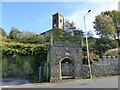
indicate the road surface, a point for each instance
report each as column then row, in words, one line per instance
column 103, row 82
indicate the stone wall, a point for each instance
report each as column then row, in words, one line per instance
column 107, row 66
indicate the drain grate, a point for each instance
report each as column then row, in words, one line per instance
column 84, row 84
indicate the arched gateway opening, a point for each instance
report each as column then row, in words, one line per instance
column 67, row 68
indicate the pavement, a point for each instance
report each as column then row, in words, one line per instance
column 13, row 81
column 101, row 82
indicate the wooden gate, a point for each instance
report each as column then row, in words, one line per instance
column 67, row 68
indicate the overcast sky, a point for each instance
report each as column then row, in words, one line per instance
column 37, row 16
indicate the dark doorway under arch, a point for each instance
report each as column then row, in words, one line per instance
column 67, row 68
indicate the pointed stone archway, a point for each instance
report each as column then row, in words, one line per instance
column 67, row 67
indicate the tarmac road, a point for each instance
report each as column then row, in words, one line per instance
column 103, row 82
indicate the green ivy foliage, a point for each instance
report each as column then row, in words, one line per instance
column 16, row 48
column 28, row 58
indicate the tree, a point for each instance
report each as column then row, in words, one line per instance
column 3, row 32
column 69, row 25
column 76, row 36
column 91, row 43
column 104, row 26
column 14, row 33
column 115, row 15
column 78, row 32
column 108, row 21
column 69, row 33
column 104, row 44
column 62, row 35
column 71, row 28
column 59, row 34
column 29, row 37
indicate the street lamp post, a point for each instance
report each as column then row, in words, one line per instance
column 87, row 46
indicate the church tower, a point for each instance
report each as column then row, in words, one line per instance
column 57, row 21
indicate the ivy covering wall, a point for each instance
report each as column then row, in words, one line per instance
column 22, row 59
column 16, row 48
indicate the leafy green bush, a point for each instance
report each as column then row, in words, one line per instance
column 104, row 44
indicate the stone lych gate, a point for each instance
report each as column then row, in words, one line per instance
column 66, row 60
